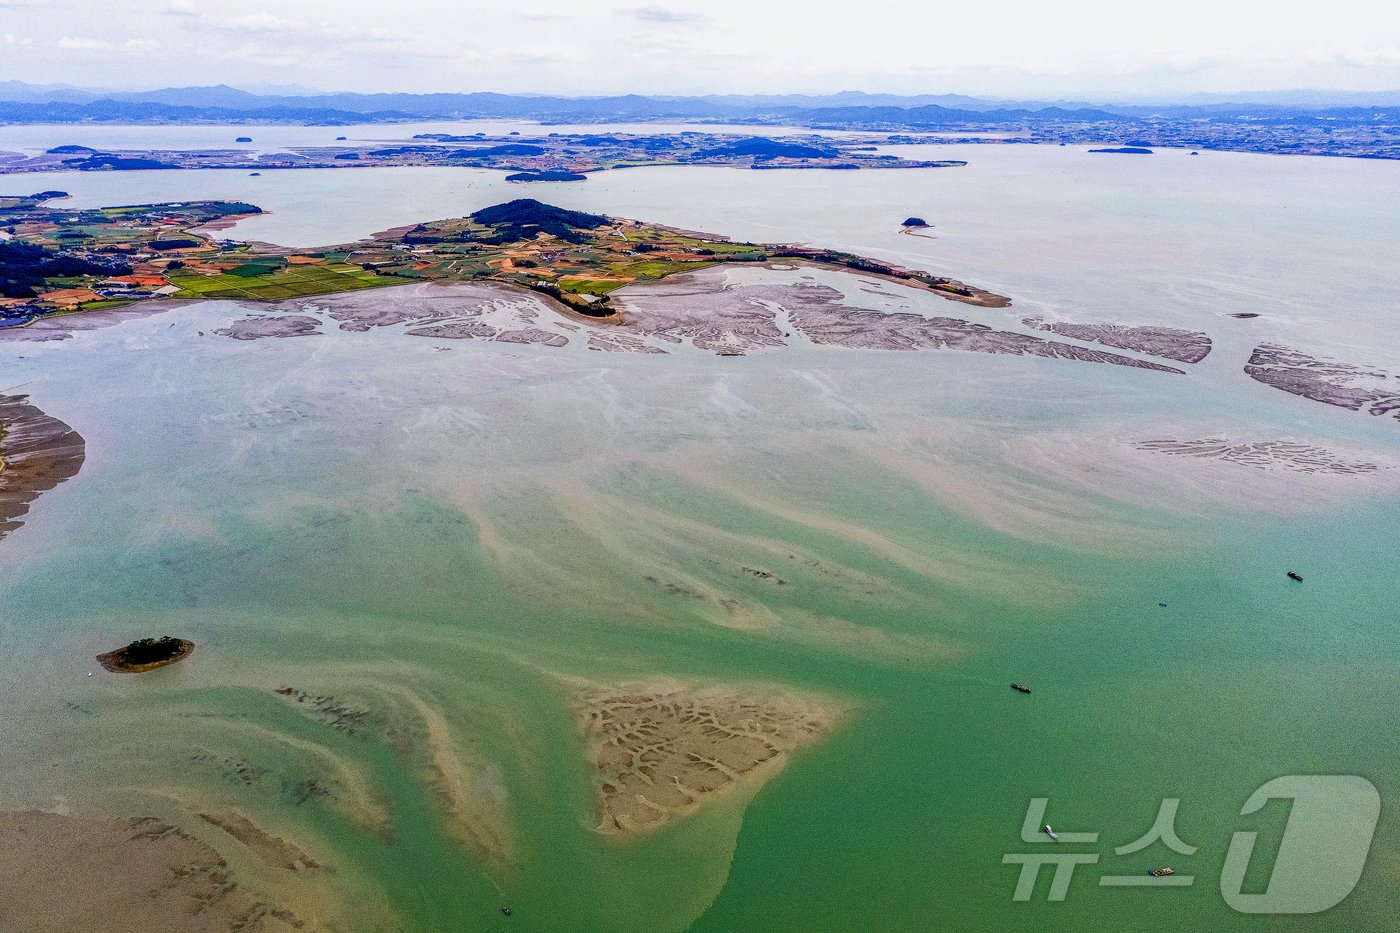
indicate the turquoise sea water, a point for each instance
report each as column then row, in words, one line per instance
column 447, row 540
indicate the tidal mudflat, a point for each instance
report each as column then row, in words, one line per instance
column 137, row 875
column 37, row 452
column 728, row 311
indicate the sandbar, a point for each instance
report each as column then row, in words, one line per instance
column 1185, row 346
column 1331, row 382
column 37, row 452
column 257, row 328
column 660, row 751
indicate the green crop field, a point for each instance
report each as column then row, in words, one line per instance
column 656, row 268
column 586, row 287
column 274, row 284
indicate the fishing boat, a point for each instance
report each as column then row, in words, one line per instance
column 1294, row 576
column 1021, row 688
column 1056, row 836
column 1162, row 872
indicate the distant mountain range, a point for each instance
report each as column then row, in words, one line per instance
column 30, row 103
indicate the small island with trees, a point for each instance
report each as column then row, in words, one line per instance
column 146, row 654
column 547, row 175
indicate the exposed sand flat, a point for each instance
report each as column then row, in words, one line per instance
column 1301, row 458
column 705, row 311
column 257, row 328
column 735, row 319
column 64, row 874
column 659, row 751
column 698, row 308
column 1332, row 382
column 473, row 805
column 620, row 343
column 825, row 320
column 490, row 306
column 1186, row 346
column 455, row 330
column 349, row 791
column 37, row 453
column 1118, row 467
column 474, row 808
column 274, row 851
column 533, row 335
column 401, row 304
column 445, row 311
column 336, row 713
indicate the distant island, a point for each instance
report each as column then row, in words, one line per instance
column 556, row 157
column 914, row 222
column 146, row 654
column 1363, row 128
column 547, row 175
column 1126, row 150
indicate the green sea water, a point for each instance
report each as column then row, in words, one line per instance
column 443, row 541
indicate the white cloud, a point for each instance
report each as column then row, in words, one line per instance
column 69, row 42
column 659, row 14
column 82, row 44
column 1090, row 48
column 11, row 39
column 259, row 22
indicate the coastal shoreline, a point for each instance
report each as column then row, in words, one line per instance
column 37, row 453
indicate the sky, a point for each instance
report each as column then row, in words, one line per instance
column 1084, row 49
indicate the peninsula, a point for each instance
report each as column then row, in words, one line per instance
column 595, row 278
column 58, row 261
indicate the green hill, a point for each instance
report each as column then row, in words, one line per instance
column 524, row 218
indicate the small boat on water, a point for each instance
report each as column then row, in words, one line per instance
column 1021, row 688
column 1056, row 836
column 1294, row 576
column 1162, row 872
column 506, row 911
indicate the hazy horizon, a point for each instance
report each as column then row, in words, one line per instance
column 1090, row 50
column 1312, row 96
